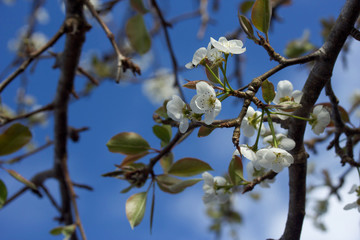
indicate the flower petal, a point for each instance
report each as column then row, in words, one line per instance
column 184, row 125
column 199, row 55
column 285, row 88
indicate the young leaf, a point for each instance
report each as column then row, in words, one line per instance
column 268, row 91
column 152, row 208
column 138, row 5
column 187, row 167
column 205, row 131
column 128, row 143
column 3, row 193
column 21, row 179
column 261, row 15
column 113, row 173
column 174, row 185
column 14, row 138
column 246, row 26
column 236, row 170
column 132, row 158
column 210, row 76
column 162, row 132
column 137, row 34
column 166, row 162
column 161, row 111
column 67, row 231
column 246, row 6
column 135, row 208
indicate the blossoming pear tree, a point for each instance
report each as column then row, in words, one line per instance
column 268, row 125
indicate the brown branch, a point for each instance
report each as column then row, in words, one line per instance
column 318, row 77
column 123, row 62
column 19, row 158
column 48, row 107
column 165, row 26
column 88, row 75
column 355, row 34
column 32, row 56
column 256, row 181
column 76, row 22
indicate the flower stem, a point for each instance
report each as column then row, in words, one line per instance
column 255, row 147
column 271, row 127
column 289, row 115
column 223, row 70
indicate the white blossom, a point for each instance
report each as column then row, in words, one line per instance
column 199, row 55
column 251, row 122
column 205, row 101
column 227, row 47
column 161, row 87
column 286, row 96
column 214, row 194
column 209, row 53
column 282, row 140
column 355, row 204
column 320, row 119
column 247, row 152
column 177, row 110
column 274, row 158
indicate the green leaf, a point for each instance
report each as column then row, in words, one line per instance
column 132, row 158
column 137, row 34
column 138, row 5
column 67, row 231
column 268, row 91
column 211, row 77
column 246, row 26
column 236, row 170
column 3, row 193
column 246, row 6
column 166, row 162
column 152, row 208
column 161, row 111
column 21, row 179
column 174, row 185
column 127, row 189
column 261, row 15
column 128, row 143
column 113, row 173
column 135, row 208
column 205, row 131
column 163, row 132
column 14, row 138
column 187, row 167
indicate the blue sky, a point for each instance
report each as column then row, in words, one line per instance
column 114, row 108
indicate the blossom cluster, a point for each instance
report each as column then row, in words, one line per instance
column 204, row 102
column 274, row 155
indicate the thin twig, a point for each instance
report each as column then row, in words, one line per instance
column 165, row 26
column 48, row 107
column 19, row 158
column 88, row 75
column 123, row 62
column 32, row 56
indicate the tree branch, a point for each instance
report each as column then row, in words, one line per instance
column 319, row 75
column 123, row 62
column 76, row 22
